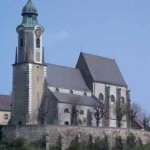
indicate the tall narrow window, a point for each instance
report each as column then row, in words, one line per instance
column 6, row 116
column 101, row 97
column 112, row 98
column 21, row 42
column 38, row 43
column 123, row 100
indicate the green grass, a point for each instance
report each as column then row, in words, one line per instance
column 146, row 147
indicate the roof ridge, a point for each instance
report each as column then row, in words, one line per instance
column 61, row 66
column 95, row 63
column 98, row 56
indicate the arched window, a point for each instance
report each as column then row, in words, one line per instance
column 57, row 90
column 38, row 43
column 112, row 98
column 101, row 97
column 71, row 92
column 66, row 110
column 21, row 42
column 81, row 112
column 66, row 123
column 123, row 100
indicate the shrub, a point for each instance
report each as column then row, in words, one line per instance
column 74, row 145
column 118, row 142
column 39, row 144
column 139, row 143
column 131, row 140
column 101, row 144
column 19, row 142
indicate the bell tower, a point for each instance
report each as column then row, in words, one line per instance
column 29, row 69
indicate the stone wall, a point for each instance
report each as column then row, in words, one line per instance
column 68, row 133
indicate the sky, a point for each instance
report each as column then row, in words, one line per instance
column 117, row 29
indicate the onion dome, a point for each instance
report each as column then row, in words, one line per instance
column 29, row 8
column 29, row 13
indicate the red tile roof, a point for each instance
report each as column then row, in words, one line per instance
column 5, row 102
column 136, row 119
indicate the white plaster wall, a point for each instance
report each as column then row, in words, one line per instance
column 62, row 116
column 100, row 88
column 67, row 91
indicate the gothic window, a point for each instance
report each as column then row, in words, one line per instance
column 38, row 43
column 71, row 92
column 123, row 100
column 81, row 112
column 66, row 110
column 112, row 98
column 21, row 42
column 101, row 97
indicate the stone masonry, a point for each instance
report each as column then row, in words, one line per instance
column 66, row 134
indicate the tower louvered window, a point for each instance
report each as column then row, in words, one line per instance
column 21, row 42
column 38, row 43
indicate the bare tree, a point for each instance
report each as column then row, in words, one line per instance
column 145, row 119
column 99, row 112
column 74, row 108
column 135, row 110
column 120, row 111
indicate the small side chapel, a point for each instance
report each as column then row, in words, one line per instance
column 45, row 93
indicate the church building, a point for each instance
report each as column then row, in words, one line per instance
column 45, row 93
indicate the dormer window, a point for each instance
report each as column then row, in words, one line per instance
column 71, row 92
column 21, row 42
column 85, row 94
column 57, row 90
column 38, row 43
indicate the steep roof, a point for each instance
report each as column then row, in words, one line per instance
column 104, row 70
column 72, row 98
column 5, row 102
column 65, row 77
column 138, row 122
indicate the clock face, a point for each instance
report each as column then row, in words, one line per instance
column 38, row 32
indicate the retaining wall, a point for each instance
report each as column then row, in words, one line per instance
column 52, row 134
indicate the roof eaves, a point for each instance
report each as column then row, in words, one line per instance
column 110, row 83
